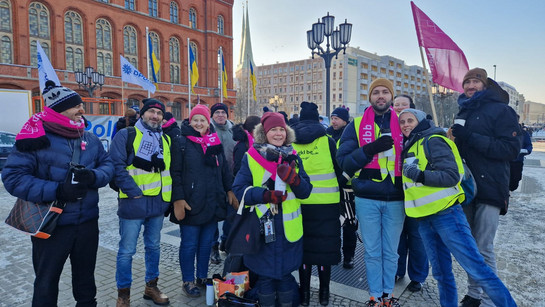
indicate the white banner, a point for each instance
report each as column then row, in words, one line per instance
column 132, row 75
column 45, row 70
column 103, row 127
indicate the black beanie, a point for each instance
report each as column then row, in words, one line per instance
column 152, row 103
column 341, row 113
column 219, row 106
column 168, row 116
column 60, row 98
column 309, row 111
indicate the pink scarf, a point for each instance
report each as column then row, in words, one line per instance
column 169, row 123
column 250, row 139
column 34, row 127
column 367, row 135
column 270, row 166
column 206, row 141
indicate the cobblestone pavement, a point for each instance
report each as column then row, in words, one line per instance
column 519, row 246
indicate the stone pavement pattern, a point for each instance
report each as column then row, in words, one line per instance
column 520, row 264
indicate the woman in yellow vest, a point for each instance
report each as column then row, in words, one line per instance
column 277, row 204
column 432, row 172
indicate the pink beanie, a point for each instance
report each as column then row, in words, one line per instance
column 200, row 109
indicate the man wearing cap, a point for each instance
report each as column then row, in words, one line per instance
column 370, row 148
column 486, row 133
column 145, row 190
column 39, row 170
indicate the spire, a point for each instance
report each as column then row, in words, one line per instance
column 246, row 43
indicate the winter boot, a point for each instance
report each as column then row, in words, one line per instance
column 324, row 273
column 123, row 297
column 153, row 293
column 305, row 272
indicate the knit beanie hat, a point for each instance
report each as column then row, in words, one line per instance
column 270, row 120
column 219, row 106
column 200, row 109
column 309, row 111
column 342, row 113
column 60, row 98
column 136, row 108
column 420, row 116
column 152, row 103
column 168, row 116
column 381, row 82
column 476, row 73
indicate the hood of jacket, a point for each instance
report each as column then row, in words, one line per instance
column 239, row 134
column 306, row 131
column 261, row 138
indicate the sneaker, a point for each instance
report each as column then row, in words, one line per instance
column 348, row 263
column 191, row 289
column 469, row 301
column 390, row 302
column 373, row 302
column 215, row 257
column 414, row 286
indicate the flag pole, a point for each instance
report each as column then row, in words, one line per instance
column 221, row 74
column 435, row 119
column 188, row 79
column 147, row 56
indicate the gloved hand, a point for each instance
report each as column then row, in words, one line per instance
column 460, row 132
column 411, row 171
column 381, row 144
column 288, row 174
column 274, row 197
column 68, row 192
column 84, row 176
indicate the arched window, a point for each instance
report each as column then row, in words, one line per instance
column 152, row 6
column 129, row 5
column 192, row 18
column 176, row 110
column 129, row 45
column 104, row 46
column 220, row 25
column 6, row 33
column 73, row 37
column 174, row 58
column 156, row 49
column 38, row 20
column 173, row 12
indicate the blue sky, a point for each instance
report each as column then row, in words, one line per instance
column 508, row 34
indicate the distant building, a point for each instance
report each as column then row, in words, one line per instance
column 533, row 113
column 516, row 100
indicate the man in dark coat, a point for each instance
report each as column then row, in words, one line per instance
column 487, row 140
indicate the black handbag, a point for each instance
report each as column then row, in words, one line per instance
column 245, row 233
column 230, row 300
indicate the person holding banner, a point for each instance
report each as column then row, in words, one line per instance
column 37, row 170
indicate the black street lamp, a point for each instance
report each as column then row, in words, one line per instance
column 340, row 37
column 89, row 80
column 276, row 102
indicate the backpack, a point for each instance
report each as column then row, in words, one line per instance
column 468, row 183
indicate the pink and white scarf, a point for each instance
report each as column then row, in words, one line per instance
column 210, row 139
column 34, row 127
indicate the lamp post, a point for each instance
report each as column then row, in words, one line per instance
column 494, row 72
column 275, row 102
column 340, row 37
column 89, row 80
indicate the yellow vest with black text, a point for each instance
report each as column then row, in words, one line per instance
column 318, row 165
column 152, row 183
column 386, row 164
column 422, row 200
column 291, row 207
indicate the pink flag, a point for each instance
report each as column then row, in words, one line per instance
column 447, row 61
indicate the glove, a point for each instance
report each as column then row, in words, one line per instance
column 274, row 197
column 68, row 192
column 288, row 174
column 84, row 176
column 460, row 132
column 381, row 144
column 411, row 171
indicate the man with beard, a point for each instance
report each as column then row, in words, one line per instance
column 370, row 148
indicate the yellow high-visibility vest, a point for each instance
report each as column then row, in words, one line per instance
column 291, row 207
column 152, row 183
column 316, row 158
column 422, row 200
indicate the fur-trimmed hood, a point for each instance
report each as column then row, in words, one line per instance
column 260, row 136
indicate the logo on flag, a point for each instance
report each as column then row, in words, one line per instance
column 132, row 75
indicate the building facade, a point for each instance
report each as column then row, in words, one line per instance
column 94, row 33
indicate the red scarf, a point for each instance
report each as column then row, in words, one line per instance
column 210, row 139
column 367, row 135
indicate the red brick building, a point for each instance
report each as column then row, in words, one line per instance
column 76, row 34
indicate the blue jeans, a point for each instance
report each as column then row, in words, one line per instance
column 448, row 232
column 196, row 240
column 130, row 231
column 411, row 243
column 380, row 225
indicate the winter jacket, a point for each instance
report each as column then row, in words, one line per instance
column 526, row 143
column 492, row 144
column 241, row 147
column 205, row 179
column 173, row 130
column 36, row 175
column 280, row 257
column 131, row 207
column 335, row 134
column 226, row 136
column 322, row 229
column 351, row 159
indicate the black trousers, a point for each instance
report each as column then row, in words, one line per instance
column 80, row 243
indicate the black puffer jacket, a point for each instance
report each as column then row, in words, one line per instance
column 239, row 136
column 492, row 144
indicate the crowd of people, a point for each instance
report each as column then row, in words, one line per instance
column 389, row 173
